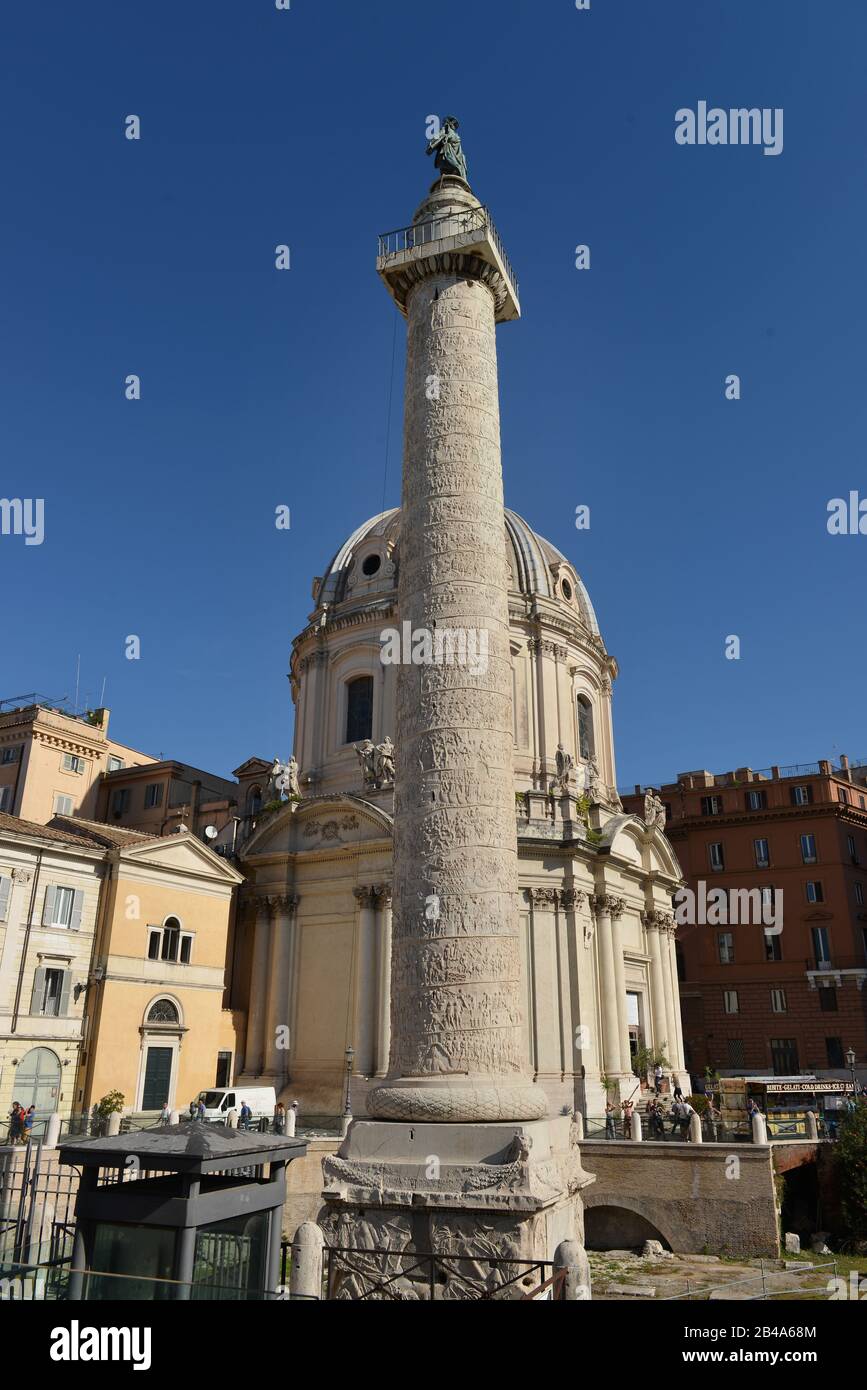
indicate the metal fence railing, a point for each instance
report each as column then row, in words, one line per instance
column 765, row 1284
column 713, row 1131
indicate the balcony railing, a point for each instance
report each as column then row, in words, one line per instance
column 453, row 224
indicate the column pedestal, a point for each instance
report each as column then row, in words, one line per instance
column 470, row 1194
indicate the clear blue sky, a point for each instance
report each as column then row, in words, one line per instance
column 259, row 387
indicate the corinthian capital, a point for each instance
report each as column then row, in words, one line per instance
column 364, row 895
column 542, row 897
column 571, row 898
column 606, row 904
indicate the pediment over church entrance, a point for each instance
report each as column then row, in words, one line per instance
column 319, row 824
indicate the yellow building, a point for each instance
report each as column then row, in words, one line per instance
column 51, row 762
column 156, row 1028
column 114, row 957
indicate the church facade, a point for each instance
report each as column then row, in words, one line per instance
column 313, row 959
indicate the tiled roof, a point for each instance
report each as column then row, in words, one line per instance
column 17, row 826
column 112, row 835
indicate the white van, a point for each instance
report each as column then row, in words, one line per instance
column 261, row 1100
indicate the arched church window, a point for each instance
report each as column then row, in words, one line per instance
column 254, row 801
column 359, row 709
column 586, row 741
column 163, row 1011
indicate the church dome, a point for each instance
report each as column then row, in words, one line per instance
column 366, row 564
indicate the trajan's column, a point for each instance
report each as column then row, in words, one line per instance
column 460, row 1132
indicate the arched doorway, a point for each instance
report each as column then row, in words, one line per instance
column 37, row 1081
column 618, row 1228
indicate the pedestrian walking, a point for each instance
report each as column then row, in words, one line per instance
column 200, row 1110
column 280, row 1118
column 27, row 1124
column 610, row 1132
column 245, row 1116
column 291, row 1119
column 657, row 1078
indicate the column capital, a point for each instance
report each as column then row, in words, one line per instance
column 281, row 902
column 655, row 920
column 381, row 895
column 542, row 897
column 364, row 895
column 607, row 905
column 571, row 898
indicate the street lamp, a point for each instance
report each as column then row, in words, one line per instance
column 850, row 1063
column 347, row 1109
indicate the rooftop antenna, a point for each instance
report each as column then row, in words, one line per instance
column 102, row 695
column 77, row 675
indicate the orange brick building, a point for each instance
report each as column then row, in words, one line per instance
column 787, row 1001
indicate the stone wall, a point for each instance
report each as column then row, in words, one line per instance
column 701, row 1198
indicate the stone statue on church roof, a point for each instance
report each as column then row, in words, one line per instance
column 448, row 152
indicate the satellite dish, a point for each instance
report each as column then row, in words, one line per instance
column 211, row 832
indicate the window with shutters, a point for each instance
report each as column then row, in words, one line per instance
column 730, row 1001
column 778, row 1001
column 120, row 801
column 725, row 945
column 62, row 804
column 801, row 796
column 717, row 856
column 711, row 805
column 153, row 795
column 51, row 988
column 808, row 849
column 755, row 800
column 815, row 892
column 72, row 763
column 762, row 853
column 5, row 895
column 62, row 907
column 5, row 798
column 11, row 755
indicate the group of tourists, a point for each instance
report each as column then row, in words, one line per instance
column 20, row 1123
column 679, row 1113
column 283, row 1123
